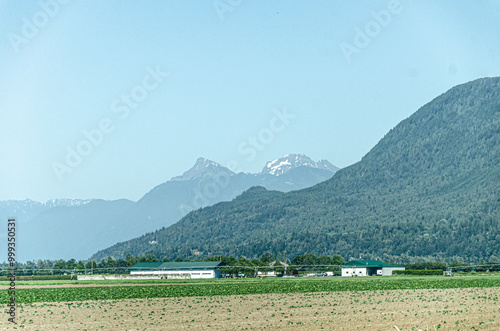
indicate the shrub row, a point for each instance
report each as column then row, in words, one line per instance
column 419, row 272
column 39, row 277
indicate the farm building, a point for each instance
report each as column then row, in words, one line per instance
column 176, row 269
column 369, row 268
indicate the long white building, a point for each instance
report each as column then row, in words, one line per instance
column 191, row 270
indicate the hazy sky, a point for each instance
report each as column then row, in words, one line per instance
column 107, row 99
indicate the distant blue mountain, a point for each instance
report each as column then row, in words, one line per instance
column 67, row 228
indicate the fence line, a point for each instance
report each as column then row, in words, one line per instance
column 303, row 267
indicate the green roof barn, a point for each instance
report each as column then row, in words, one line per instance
column 369, row 268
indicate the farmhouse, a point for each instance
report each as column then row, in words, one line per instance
column 176, row 269
column 369, row 268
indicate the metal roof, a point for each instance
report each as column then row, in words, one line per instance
column 146, row 265
column 209, row 265
column 369, row 264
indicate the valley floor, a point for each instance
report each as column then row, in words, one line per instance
column 425, row 309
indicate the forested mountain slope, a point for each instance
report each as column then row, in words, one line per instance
column 429, row 189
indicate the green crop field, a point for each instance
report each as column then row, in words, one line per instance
column 67, row 294
column 227, row 280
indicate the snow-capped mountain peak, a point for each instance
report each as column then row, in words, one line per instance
column 202, row 168
column 291, row 161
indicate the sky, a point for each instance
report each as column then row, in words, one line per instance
column 109, row 99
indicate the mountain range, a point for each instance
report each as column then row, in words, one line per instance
column 429, row 190
column 67, row 228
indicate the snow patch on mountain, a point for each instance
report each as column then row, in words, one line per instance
column 67, row 202
column 290, row 161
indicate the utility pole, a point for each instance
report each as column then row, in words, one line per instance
column 284, row 262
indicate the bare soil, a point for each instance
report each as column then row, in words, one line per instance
column 452, row 309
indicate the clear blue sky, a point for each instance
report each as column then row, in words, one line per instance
column 64, row 69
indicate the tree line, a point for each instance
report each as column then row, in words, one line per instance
column 229, row 264
column 111, row 265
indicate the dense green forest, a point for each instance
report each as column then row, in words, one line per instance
column 429, row 190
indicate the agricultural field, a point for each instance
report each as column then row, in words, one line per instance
column 426, row 303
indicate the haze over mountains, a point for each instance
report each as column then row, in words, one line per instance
column 430, row 189
column 69, row 228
